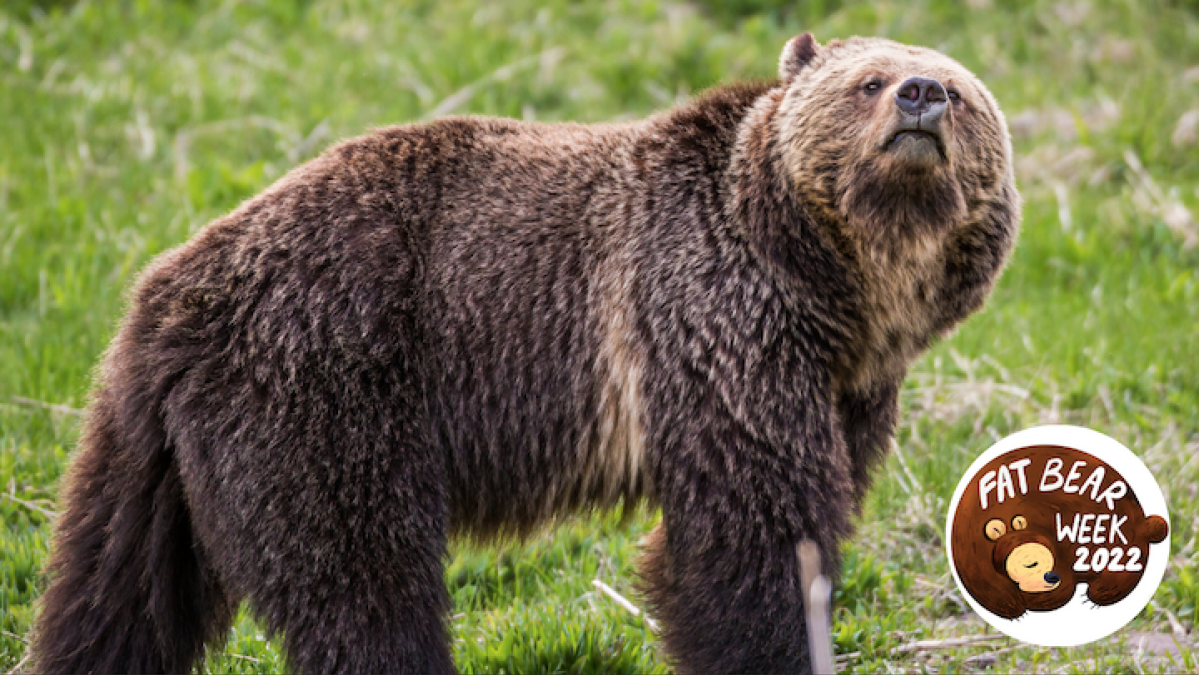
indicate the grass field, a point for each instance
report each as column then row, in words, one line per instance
column 126, row 126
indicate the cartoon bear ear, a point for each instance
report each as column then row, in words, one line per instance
column 995, row 529
column 1154, row 529
column 1019, row 523
column 800, row 50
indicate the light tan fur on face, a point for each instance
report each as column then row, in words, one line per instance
column 1027, row 566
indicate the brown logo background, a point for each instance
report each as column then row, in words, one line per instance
column 1054, row 517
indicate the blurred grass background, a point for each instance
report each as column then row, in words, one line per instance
column 126, row 126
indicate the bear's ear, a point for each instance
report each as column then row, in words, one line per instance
column 994, row 529
column 1154, row 529
column 800, row 50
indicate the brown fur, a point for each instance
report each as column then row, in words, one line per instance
column 469, row 326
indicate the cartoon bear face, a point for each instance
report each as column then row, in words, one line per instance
column 1033, row 525
column 1025, row 557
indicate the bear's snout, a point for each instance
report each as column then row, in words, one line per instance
column 922, row 96
column 917, row 136
column 1029, row 564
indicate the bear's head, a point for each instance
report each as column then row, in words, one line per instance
column 892, row 138
column 1015, row 563
column 1025, row 557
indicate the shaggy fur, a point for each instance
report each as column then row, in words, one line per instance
column 469, row 326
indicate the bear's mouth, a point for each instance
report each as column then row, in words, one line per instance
column 1037, row 586
column 917, row 133
column 916, row 142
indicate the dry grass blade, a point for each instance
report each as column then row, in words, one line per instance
column 53, row 407
column 1150, row 197
column 20, row 664
column 183, row 139
column 459, row 98
column 1176, row 626
column 30, row 505
column 930, row 645
column 624, row 602
column 1186, row 132
column 989, row 659
column 947, row 643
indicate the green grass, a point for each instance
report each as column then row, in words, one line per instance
column 124, row 127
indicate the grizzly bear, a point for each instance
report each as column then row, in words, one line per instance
column 1067, row 518
column 471, row 326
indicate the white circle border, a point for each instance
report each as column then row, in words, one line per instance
column 1079, row 622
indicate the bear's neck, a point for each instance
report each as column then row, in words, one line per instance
column 872, row 294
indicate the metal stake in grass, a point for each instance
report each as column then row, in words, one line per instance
column 818, row 593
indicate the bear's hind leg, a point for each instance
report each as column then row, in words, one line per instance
column 386, row 621
column 326, row 509
column 362, row 588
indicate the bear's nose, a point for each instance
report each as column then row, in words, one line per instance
column 922, row 96
column 1052, row 578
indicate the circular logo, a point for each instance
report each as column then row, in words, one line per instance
column 1058, row 535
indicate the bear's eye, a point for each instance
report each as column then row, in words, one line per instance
column 1019, row 523
column 954, row 96
column 873, row 86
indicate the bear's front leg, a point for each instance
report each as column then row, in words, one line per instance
column 868, row 423
column 722, row 573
